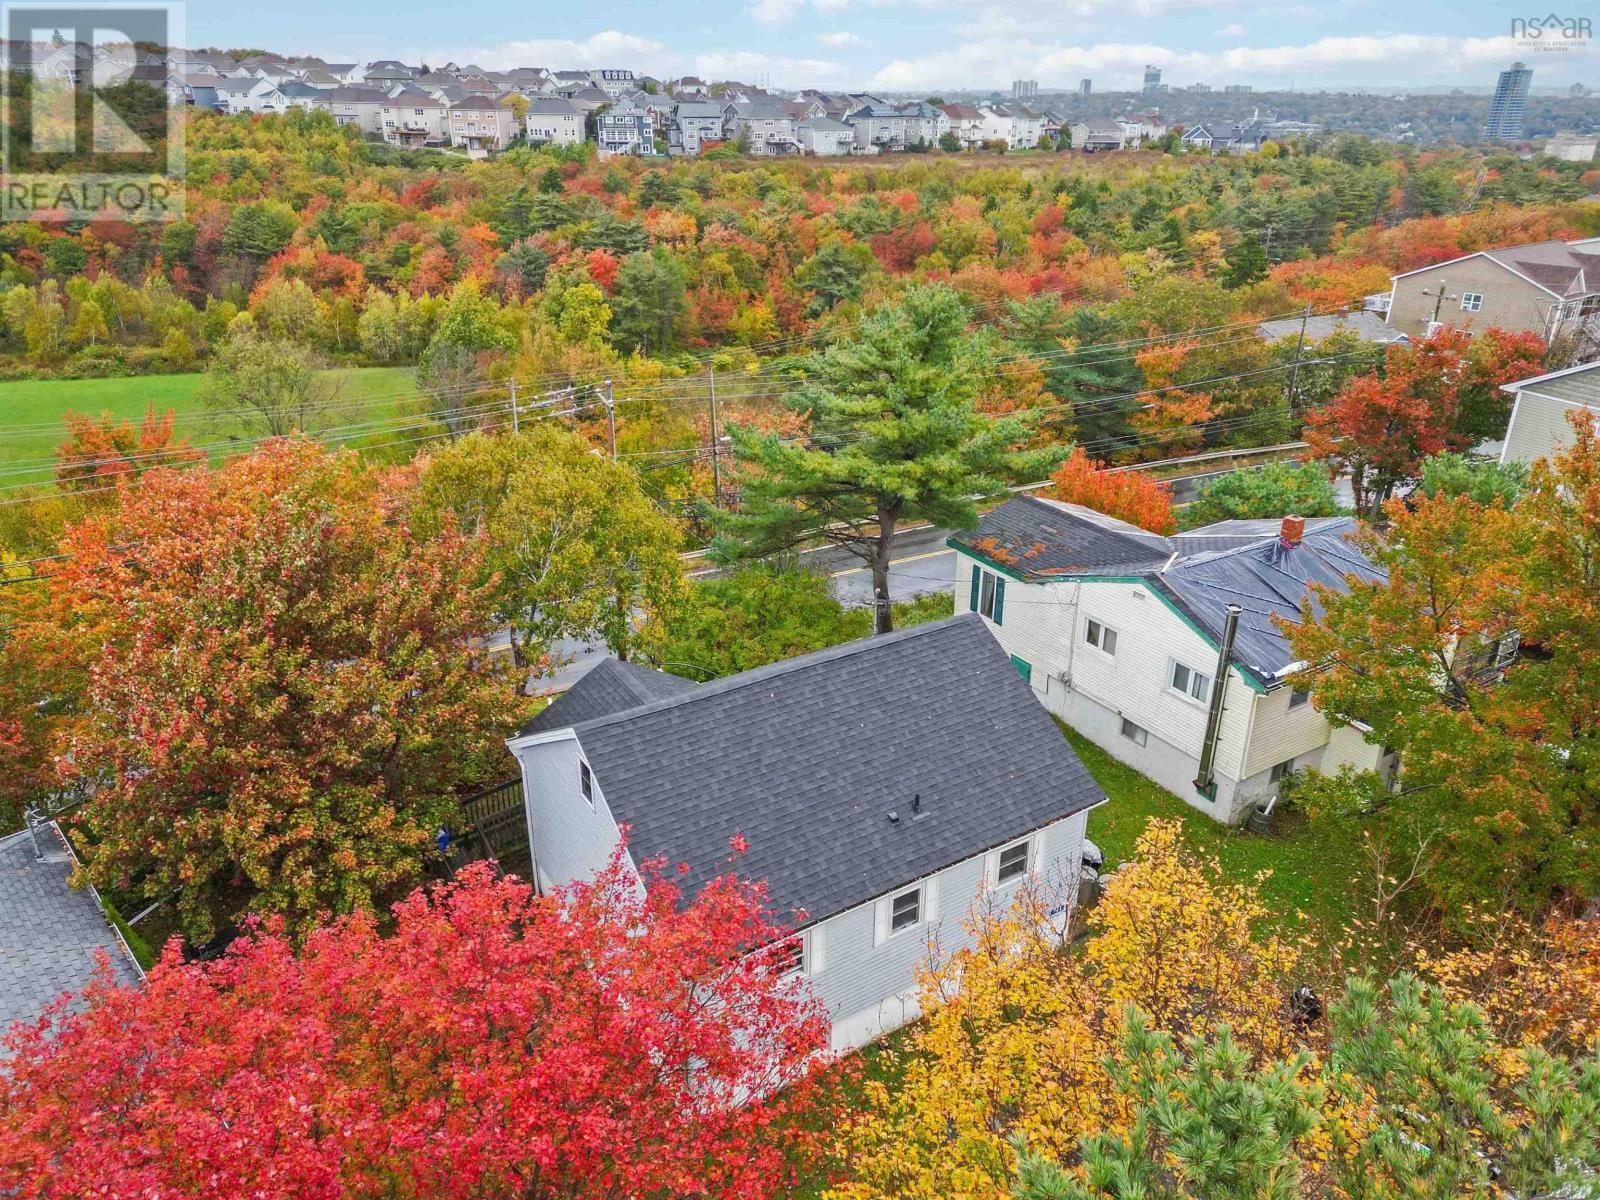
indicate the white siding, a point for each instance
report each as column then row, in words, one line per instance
column 570, row 839
column 1043, row 624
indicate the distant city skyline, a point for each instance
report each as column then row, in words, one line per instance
column 927, row 45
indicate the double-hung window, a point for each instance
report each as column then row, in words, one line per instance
column 988, row 594
column 905, row 911
column 1185, row 680
column 1013, row 863
column 586, row 782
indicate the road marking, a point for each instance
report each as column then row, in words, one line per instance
column 893, row 562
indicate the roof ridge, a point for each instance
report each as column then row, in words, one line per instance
column 787, row 666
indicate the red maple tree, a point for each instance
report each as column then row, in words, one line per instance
column 101, row 452
column 608, row 1040
column 1127, row 495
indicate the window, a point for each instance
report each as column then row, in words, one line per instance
column 789, row 958
column 1101, row 637
column 1191, row 683
column 988, row 594
column 1013, row 862
column 1281, row 772
column 1137, row 734
column 906, row 911
column 586, row 781
column 1471, row 301
column 1298, row 696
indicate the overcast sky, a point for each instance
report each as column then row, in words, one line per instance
column 926, row 45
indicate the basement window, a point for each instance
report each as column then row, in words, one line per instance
column 1281, row 772
column 1137, row 734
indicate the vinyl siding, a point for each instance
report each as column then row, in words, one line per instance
column 1510, row 302
column 1539, row 427
column 570, row 839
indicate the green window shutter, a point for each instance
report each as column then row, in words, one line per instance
column 999, row 597
column 977, row 578
column 1025, row 669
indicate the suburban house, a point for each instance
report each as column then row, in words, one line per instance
column 1539, row 415
column 1018, row 126
column 824, row 135
column 1368, row 326
column 552, row 121
column 625, row 128
column 414, row 118
column 50, row 930
column 358, row 106
column 1097, row 134
column 767, row 125
column 483, row 124
column 694, row 123
column 1548, row 288
column 881, row 786
column 1163, row 650
column 614, row 82
column 1139, row 128
column 1222, row 138
column 879, row 128
column 966, row 122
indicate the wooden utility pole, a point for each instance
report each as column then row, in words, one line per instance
column 1294, row 371
column 716, row 441
column 611, row 422
column 1438, row 301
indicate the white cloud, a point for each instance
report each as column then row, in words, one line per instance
column 746, row 65
column 1237, row 29
column 775, row 12
column 843, row 38
column 608, row 48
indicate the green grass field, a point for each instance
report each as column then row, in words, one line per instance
column 32, row 411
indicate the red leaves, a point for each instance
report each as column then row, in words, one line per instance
column 607, row 1040
column 1126, row 495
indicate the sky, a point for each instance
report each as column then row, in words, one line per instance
column 932, row 45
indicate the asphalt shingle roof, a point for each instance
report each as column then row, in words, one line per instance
column 610, row 686
column 49, row 932
column 806, row 759
column 1039, row 537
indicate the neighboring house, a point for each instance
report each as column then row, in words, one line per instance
column 552, row 121
column 386, row 72
column 1098, row 134
column 1573, row 147
column 1539, row 415
column 1223, row 138
column 766, row 123
column 879, row 785
column 1015, row 124
column 614, row 83
column 694, row 123
column 587, row 99
column 1368, row 326
column 625, row 128
column 825, row 136
column 251, row 95
column 966, row 122
column 879, row 128
column 1548, row 288
column 49, row 931
column 1120, row 633
column 1139, row 128
column 414, row 118
column 361, row 107
column 483, row 124
column 689, row 85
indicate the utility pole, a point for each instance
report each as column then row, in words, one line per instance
column 1438, row 302
column 515, row 427
column 1294, row 371
column 611, row 422
column 716, row 441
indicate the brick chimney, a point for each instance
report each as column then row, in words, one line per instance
column 1292, row 530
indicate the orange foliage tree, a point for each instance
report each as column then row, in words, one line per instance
column 1126, row 495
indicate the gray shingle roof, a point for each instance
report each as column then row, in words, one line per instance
column 610, row 686
column 1039, row 537
column 1366, row 325
column 49, row 932
column 1266, row 579
column 806, row 758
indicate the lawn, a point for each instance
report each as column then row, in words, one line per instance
column 34, row 408
column 1313, row 870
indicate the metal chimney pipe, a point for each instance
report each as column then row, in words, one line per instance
column 1206, row 779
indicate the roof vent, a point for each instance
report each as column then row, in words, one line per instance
column 894, row 816
column 916, row 807
column 1292, row 530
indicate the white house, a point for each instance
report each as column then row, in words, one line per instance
column 1125, row 635
column 1540, row 415
column 552, row 121
column 881, row 786
column 1015, row 124
column 824, row 135
column 966, row 122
